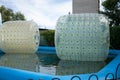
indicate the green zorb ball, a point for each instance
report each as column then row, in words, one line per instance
column 83, row 37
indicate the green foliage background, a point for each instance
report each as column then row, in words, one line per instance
column 115, row 37
column 9, row 15
column 112, row 10
column 49, row 36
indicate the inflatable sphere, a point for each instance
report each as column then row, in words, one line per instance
column 19, row 37
column 83, row 37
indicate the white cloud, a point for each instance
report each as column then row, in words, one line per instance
column 101, row 7
column 43, row 12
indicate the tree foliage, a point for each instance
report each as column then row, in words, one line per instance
column 112, row 10
column 49, row 36
column 8, row 14
column 19, row 16
column 115, row 37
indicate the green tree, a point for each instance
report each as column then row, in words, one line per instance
column 19, row 16
column 115, row 37
column 49, row 36
column 112, row 10
column 8, row 14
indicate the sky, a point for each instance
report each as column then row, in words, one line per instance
column 44, row 12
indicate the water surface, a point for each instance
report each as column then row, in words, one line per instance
column 50, row 64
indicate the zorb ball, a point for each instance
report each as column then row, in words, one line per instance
column 83, row 37
column 19, row 37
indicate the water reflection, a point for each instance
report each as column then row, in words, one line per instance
column 49, row 64
column 78, row 67
column 48, row 59
column 20, row 61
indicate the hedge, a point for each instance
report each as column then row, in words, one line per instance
column 49, row 36
column 115, row 37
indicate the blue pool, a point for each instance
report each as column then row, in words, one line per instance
column 45, row 65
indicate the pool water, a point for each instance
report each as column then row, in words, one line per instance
column 50, row 64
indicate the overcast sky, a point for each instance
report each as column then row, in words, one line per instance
column 43, row 12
